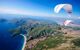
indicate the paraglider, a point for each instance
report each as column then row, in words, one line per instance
column 66, row 7
column 67, row 22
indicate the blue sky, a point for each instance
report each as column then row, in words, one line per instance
column 37, row 7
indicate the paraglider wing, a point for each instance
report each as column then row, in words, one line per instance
column 58, row 8
column 66, row 7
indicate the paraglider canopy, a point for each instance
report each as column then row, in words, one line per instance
column 66, row 7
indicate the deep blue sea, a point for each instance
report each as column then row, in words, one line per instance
column 7, row 42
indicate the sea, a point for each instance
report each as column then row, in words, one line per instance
column 7, row 42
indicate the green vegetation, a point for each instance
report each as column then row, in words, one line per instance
column 35, row 30
column 15, row 32
column 76, row 28
column 50, row 42
column 76, row 42
column 53, row 33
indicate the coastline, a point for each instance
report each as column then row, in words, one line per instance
column 24, row 43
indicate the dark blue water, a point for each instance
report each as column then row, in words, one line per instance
column 7, row 42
